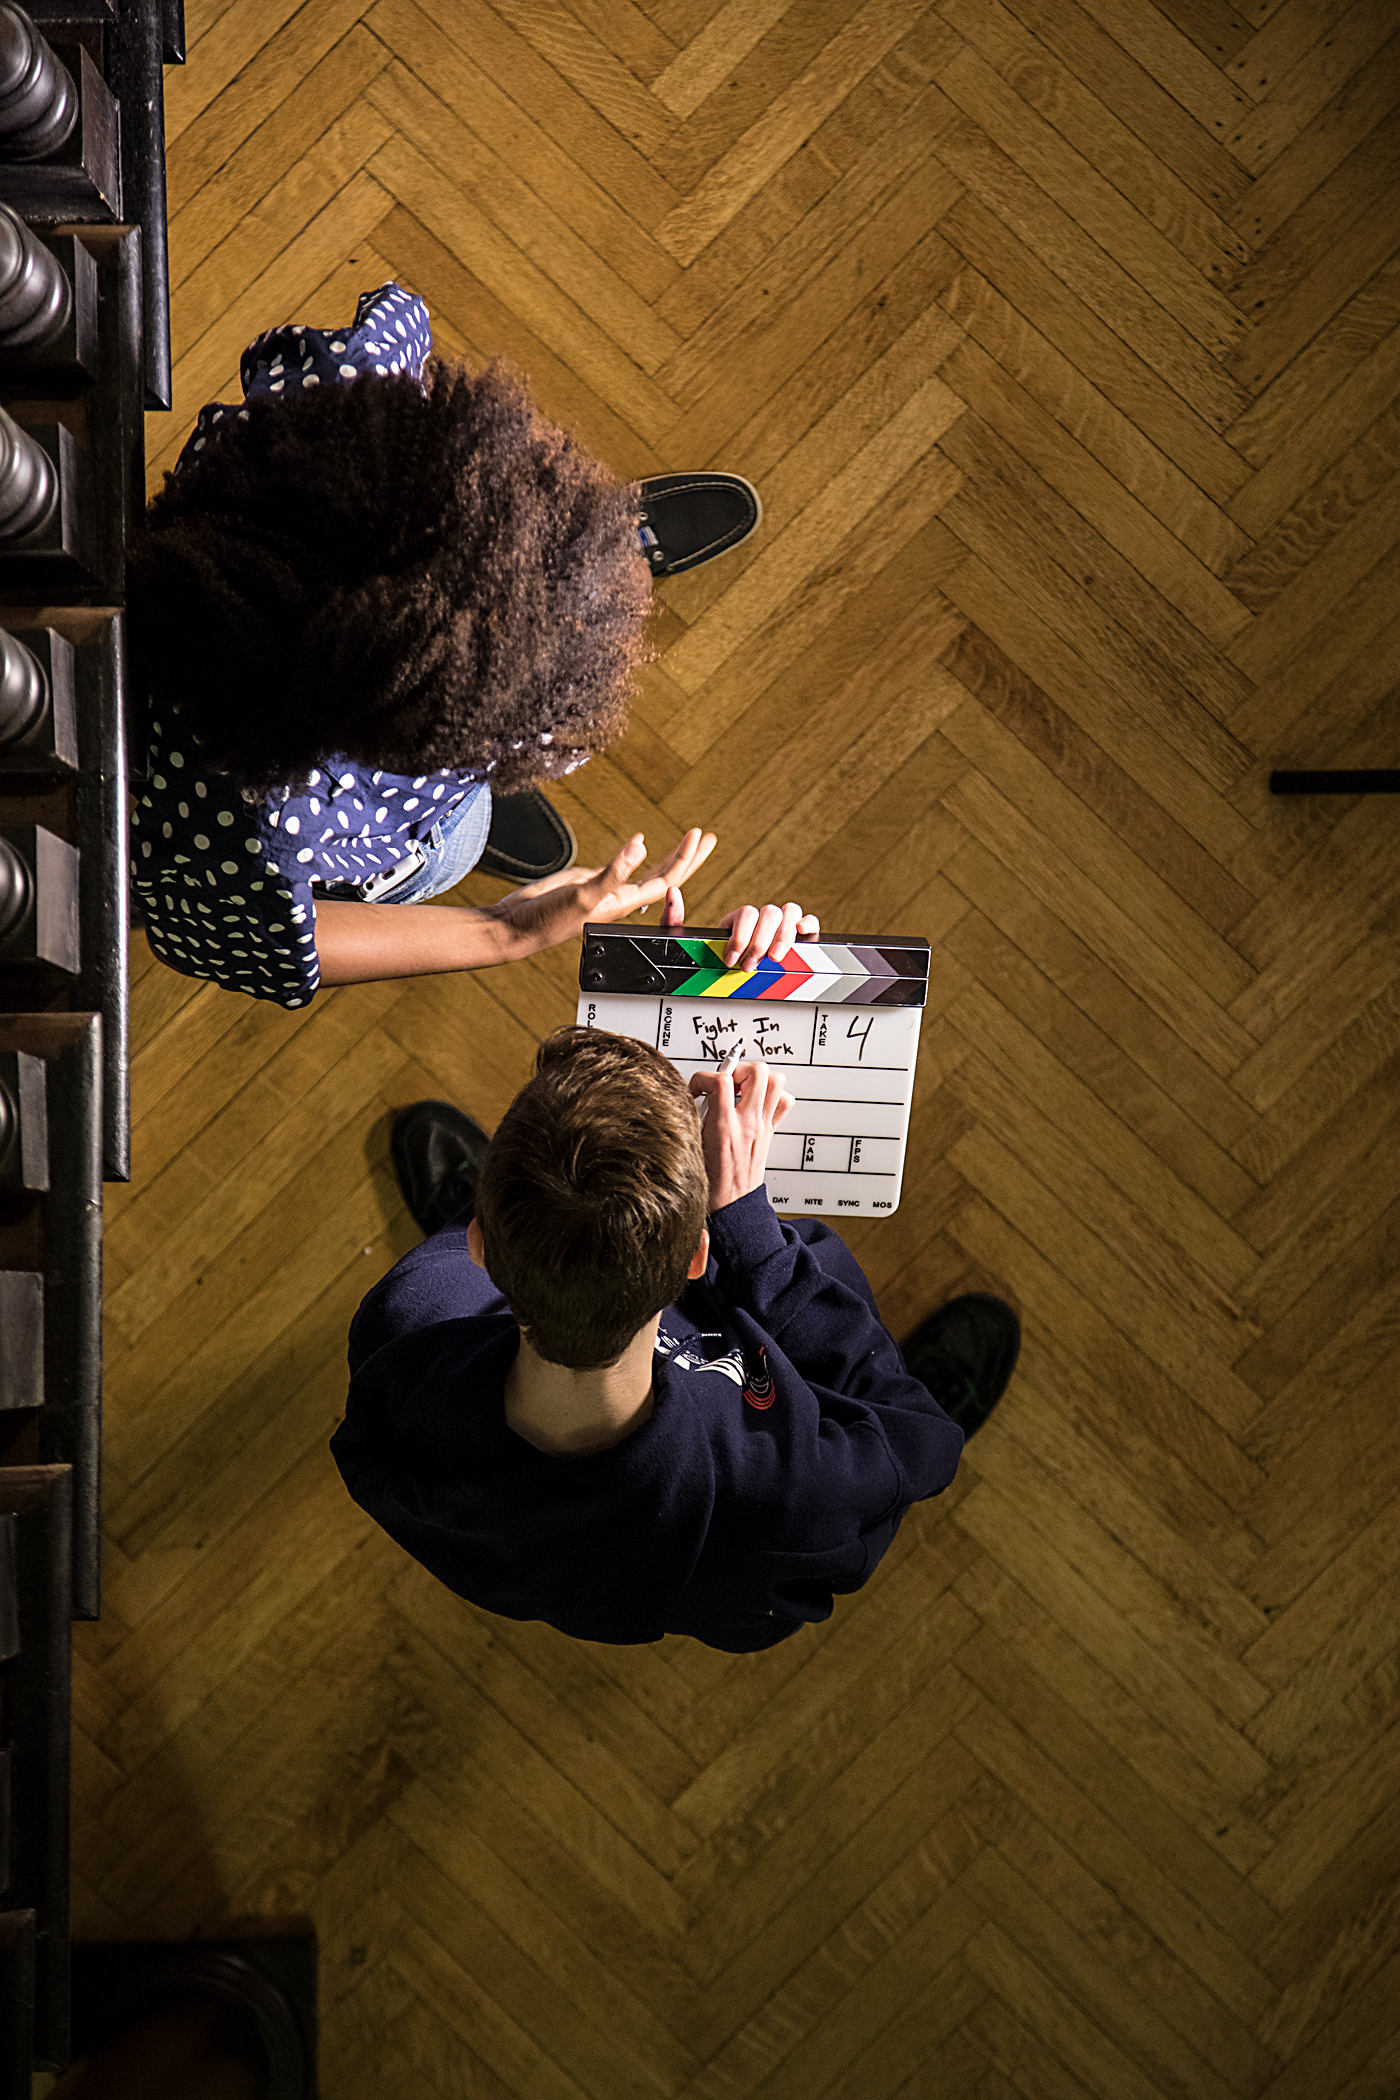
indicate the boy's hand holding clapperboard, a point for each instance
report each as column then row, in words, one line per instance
column 835, row 1027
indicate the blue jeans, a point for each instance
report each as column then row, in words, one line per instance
column 437, row 863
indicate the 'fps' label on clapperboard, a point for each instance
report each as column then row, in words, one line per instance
column 840, row 1020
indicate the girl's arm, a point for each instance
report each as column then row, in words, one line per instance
column 360, row 943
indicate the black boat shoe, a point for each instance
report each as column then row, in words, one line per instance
column 437, row 1152
column 965, row 1354
column 528, row 839
column 688, row 519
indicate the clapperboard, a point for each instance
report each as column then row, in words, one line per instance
column 839, row 1020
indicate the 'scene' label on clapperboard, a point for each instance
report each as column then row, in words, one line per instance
column 850, row 1070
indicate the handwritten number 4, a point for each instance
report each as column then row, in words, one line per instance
column 855, row 1033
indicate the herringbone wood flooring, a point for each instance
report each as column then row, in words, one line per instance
column 1064, row 342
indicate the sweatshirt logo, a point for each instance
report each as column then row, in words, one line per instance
column 758, row 1387
column 688, row 1355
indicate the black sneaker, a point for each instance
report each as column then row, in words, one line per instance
column 437, row 1153
column 528, row 839
column 690, row 518
column 965, row 1354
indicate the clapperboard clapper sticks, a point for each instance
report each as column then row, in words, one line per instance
column 840, row 1019
column 690, row 965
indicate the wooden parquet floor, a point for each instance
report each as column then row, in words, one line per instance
column 1063, row 339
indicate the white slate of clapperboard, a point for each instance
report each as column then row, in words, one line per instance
column 839, row 1151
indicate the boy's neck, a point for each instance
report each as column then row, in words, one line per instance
column 572, row 1414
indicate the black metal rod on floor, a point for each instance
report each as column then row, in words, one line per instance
column 1374, row 783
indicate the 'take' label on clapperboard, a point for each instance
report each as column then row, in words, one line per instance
column 840, row 1020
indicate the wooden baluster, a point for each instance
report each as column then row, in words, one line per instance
column 38, row 906
column 24, row 1123
column 36, row 298
column 38, row 101
column 24, row 691
column 38, row 711
column 29, row 486
column 21, row 1342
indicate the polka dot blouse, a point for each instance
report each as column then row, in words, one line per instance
column 390, row 333
column 225, row 885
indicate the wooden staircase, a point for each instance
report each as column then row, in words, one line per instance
column 1063, row 341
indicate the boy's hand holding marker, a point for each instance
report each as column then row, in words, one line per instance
column 726, row 1064
column 749, row 1102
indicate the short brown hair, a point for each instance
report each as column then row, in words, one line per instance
column 593, row 1195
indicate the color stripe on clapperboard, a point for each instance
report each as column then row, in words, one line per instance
column 684, row 965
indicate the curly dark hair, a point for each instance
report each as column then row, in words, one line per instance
column 415, row 577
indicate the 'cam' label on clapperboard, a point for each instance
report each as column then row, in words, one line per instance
column 839, row 1019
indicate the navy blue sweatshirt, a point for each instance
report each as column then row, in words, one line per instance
column 785, row 1443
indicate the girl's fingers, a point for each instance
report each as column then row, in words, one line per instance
column 751, row 934
column 787, row 932
column 615, row 875
column 754, row 933
column 627, row 857
column 741, row 924
column 674, row 865
column 761, row 939
column 706, row 847
column 637, row 895
column 694, row 849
